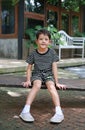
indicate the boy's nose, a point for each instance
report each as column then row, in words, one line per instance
column 43, row 40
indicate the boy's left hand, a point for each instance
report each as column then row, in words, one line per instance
column 60, row 86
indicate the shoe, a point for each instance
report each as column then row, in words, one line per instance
column 27, row 117
column 57, row 118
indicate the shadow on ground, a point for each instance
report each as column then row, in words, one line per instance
column 12, row 101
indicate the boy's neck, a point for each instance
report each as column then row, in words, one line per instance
column 42, row 50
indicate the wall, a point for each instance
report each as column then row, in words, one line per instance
column 26, row 50
column 8, row 48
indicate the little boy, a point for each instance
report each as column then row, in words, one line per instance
column 45, row 70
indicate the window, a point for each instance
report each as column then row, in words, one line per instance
column 7, row 19
column 31, row 23
column 75, row 24
column 52, row 15
column 52, row 18
column 34, row 13
column 65, row 22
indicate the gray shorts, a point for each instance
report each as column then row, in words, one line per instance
column 43, row 76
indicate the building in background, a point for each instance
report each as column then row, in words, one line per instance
column 27, row 14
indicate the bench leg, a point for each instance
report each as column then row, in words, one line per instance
column 72, row 53
column 83, row 53
column 59, row 53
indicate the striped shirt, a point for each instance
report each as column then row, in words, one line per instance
column 42, row 61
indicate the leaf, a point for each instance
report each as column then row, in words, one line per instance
column 38, row 27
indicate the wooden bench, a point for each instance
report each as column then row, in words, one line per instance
column 70, row 43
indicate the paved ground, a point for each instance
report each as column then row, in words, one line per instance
column 12, row 100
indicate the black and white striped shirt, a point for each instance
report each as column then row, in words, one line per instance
column 42, row 61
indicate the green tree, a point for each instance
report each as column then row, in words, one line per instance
column 67, row 4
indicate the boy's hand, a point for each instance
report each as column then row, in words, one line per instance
column 26, row 84
column 61, row 86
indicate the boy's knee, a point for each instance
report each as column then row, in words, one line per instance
column 51, row 88
column 37, row 84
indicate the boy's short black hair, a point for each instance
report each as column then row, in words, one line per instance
column 43, row 31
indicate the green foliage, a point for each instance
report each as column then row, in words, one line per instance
column 79, row 34
column 69, row 4
column 30, row 35
column 55, row 36
column 53, row 2
column 14, row 2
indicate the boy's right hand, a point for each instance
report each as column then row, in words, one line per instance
column 26, row 84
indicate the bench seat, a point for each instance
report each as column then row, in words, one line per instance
column 70, row 43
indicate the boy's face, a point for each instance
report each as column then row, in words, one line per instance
column 43, row 41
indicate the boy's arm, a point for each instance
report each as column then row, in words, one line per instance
column 55, row 73
column 28, row 80
column 29, row 70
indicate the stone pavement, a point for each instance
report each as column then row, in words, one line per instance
column 12, row 99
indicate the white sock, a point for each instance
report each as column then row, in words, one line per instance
column 58, row 110
column 26, row 109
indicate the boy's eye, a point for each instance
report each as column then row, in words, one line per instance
column 46, row 39
column 40, row 38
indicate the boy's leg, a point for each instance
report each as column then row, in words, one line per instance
column 58, row 116
column 36, row 87
column 25, row 114
column 55, row 97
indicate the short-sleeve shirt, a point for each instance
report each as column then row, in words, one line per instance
column 42, row 61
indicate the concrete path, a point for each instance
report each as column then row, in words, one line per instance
column 13, row 73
